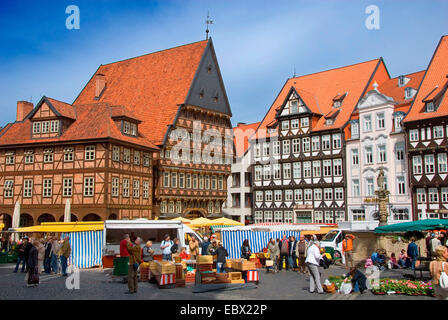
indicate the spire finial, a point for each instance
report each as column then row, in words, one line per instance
column 294, row 75
column 207, row 22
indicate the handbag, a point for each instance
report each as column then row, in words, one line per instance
column 443, row 281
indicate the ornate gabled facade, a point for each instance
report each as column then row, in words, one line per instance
column 299, row 148
column 426, row 126
column 376, row 141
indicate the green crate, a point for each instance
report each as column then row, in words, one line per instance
column 12, row 257
column 3, row 257
column 121, row 266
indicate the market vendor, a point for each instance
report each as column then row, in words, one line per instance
column 148, row 252
column 358, row 280
column 123, row 249
column 183, row 254
column 211, row 250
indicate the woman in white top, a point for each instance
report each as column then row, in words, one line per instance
column 312, row 261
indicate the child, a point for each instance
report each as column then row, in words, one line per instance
column 183, row 254
column 393, row 261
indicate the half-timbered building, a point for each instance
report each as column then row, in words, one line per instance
column 426, row 126
column 299, row 148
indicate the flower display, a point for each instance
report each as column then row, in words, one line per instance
column 408, row 287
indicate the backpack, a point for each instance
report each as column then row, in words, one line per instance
column 443, row 281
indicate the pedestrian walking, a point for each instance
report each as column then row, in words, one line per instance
column 412, row 252
column 134, row 262
column 347, row 249
column 292, row 257
column 274, row 254
column 148, row 252
column 28, row 247
column 245, row 250
column 284, row 252
column 32, row 277
column 312, row 261
column 166, row 248
column 41, row 255
column 64, row 254
column 194, row 247
column 21, row 255
column 204, row 246
column 55, row 246
column 301, row 248
column 221, row 254
column 47, row 257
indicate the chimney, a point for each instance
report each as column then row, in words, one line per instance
column 239, row 124
column 23, row 109
column 100, row 84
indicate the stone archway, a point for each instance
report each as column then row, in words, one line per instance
column 195, row 213
column 91, row 217
column 46, row 217
column 26, row 220
column 112, row 216
column 73, row 218
column 6, row 219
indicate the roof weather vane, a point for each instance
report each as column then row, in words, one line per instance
column 208, row 22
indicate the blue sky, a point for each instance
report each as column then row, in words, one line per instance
column 258, row 43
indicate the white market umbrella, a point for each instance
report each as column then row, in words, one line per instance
column 16, row 219
column 67, row 212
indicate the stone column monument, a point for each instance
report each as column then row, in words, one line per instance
column 383, row 198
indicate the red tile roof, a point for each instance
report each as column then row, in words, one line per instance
column 64, row 109
column 151, row 86
column 241, row 135
column 93, row 121
column 435, row 76
column 320, row 89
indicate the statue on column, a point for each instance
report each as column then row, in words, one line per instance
column 380, row 180
column 383, row 198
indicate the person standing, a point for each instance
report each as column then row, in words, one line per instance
column 435, row 269
column 245, row 250
column 435, row 242
column 412, row 252
column 47, row 258
column 301, row 248
column 204, row 246
column 194, row 248
column 134, row 262
column 28, row 247
column 221, row 254
column 292, row 257
column 166, row 248
column 123, row 246
column 64, row 254
column 55, row 246
column 284, row 251
column 312, row 261
column 148, row 252
column 175, row 248
column 274, row 253
column 347, row 248
column 21, row 255
column 32, row 264
column 41, row 255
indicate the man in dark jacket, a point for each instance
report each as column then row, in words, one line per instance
column 33, row 272
column 413, row 252
column 205, row 246
column 284, row 252
column 47, row 259
column 292, row 257
column 358, row 280
column 221, row 254
column 21, row 255
column 28, row 247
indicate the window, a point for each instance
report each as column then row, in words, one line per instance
column 27, row 188
column 442, row 163
column 133, row 129
column 268, row 196
column 146, row 160
column 8, row 189
column 268, row 216
column 417, row 164
column 401, row 186
column 90, row 153
column 339, row 216
column 328, row 194
column 126, row 184
column 413, row 135
column 258, row 217
column 315, row 143
column 276, row 171
column 367, row 123
column 259, row 196
column 257, row 173
column 327, row 168
column 316, row 169
column 306, row 144
column 288, row 195
column 115, row 153
column 317, row 194
column 369, row 155
column 328, row 217
column 115, row 186
column 126, row 127
column 438, row 132
column 295, row 145
column 288, row 216
column 294, row 106
column 68, row 187
column 286, row 147
column 188, row 181
column 297, row 194
column 304, row 122
column 430, row 106
column 166, row 179
column 171, row 207
column 285, row 125
column 173, row 179
column 257, row 150
column 337, row 167
column 136, row 188
column 181, row 180
column 265, row 149
column 444, row 192
column 329, row 122
column 429, row 163
column 54, row 126
column 397, row 121
column 178, row 206
column 355, row 188
column 214, row 182
column 421, row 195
column 267, row 172
column 294, row 123
column 89, row 184
column 45, row 126
column 428, row 133
column 307, row 169
column 201, row 182
column 136, row 157
column 382, row 158
column 401, row 214
column 296, row 169
column 163, row 206
column 207, row 182
column 10, row 159
column 278, row 195
column 36, row 127
column 380, row 122
column 326, row 142
column 126, row 155
column 355, row 157
column 286, row 171
column 359, row 215
column 399, row 152
column 308, row 194
column 433, row 195
column 355, row 129
column 47, row 188
column 337, row 141
column 276, row 148
column 318, row 217
column 48, row 155
column 370, row 187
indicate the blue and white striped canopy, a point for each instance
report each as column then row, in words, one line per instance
column 258, row 240
column 87, row 248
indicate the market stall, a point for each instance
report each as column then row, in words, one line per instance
column 420, row 225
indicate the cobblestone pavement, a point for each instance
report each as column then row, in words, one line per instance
column 99, row 284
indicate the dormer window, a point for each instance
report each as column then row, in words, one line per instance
column 294, row 104
column 337, row 101
column 304, row 122
column 36, row 127
column 430, row 106
column 408, row 93
column 127, row 127
column 130, row 128
column 54, row 126
column 329, row 122
column 401, row 81
column 45, row 126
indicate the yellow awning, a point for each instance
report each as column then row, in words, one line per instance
column 323, row 230
column 227, row 222
column 184, row 220
column 201, row 222
column 57, row 227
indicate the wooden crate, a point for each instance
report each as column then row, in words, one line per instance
column 152, row 265
column 235, row 275
column 238, row 281
column 166, row 267
column 205, row 260
column 244, row 265
column 205, row 267
column 180, row 271
column 144, row 273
